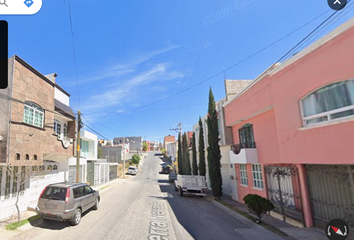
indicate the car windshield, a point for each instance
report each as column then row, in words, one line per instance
column 55, row 193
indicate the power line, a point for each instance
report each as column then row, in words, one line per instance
column 325, row 27
column 95, row 131
column 196, row 63
column 230, row 67
column 74, row 54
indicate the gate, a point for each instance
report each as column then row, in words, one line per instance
column 331, row 192
column 283, row 189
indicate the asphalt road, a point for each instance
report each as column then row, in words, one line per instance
column 146, row 207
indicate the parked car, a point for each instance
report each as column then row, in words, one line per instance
column 172, row 177
column 67, row 201
column 166, row 170
column 132, row 170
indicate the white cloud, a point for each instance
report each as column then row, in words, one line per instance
column 123, row 92
column 120, row 69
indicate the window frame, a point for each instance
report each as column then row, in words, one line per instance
column 326, row 114
column 257, row 183
column 31, row 115
column 57, row 124
column 243, row 175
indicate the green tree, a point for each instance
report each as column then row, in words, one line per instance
column 99, row 152
column 180, row 156
column 145, row 146
column 186, row 161
column 202, row 167
column 194, row 156
column 108, row 143
column 135, row 159
column 214, row 155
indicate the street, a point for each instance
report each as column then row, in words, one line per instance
column 146, row 206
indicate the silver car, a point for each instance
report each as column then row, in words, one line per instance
column 132, row 170
column 67, row 201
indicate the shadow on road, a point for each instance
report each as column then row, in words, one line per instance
column 162, row 181
column 52, row 225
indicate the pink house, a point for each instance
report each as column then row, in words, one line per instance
column 293, row 133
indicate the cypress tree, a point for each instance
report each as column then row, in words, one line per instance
column 214, row 155
column 180, row 156
column 186, row 161
column 202, row 168
column 194, row 155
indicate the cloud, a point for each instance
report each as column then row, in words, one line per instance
column 120, row 69
column 123, row 92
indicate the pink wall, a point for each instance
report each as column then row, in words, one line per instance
column 254, row 99
column 277, row 132
column 265, row 135
column 329, row 144
column 244, row 190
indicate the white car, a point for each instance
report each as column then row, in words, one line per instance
column 132, row 170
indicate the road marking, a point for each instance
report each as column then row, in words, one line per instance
column 158, row 229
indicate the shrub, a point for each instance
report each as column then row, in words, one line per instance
column 135, row 159
column 258, row 205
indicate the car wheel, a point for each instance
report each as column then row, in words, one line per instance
column 76, row 218
column 95, row 207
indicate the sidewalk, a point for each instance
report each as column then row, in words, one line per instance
column 283, row 229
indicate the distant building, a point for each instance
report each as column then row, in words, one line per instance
column 134, row 143
column 168, row 139
column 114, row 154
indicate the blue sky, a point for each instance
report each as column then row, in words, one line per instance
column 132, row 53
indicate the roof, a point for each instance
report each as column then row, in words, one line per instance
column 63, row 109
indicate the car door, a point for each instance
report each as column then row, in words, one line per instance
column 79, row 197
column 91, row 198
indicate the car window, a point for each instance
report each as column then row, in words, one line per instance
column 88, row 190
column 78, row 192
column 55, row 193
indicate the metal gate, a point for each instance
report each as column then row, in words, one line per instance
column 283, row 190
column 331, row 192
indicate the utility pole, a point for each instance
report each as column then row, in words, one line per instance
column 179, row 130
column 79, row 126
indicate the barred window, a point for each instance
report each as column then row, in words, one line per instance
column 243, row 174
column 257, row 176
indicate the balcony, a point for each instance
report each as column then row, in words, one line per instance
column 244, row 153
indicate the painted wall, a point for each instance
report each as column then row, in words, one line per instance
column 329, row 143
column 62, row 97
column 249, row 189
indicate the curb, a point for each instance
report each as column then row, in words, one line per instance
column 251, row 218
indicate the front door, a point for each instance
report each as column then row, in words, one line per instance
column 246, row 136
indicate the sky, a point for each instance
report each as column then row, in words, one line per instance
column 133, row 57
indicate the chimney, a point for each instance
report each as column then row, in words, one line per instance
column 51, row 77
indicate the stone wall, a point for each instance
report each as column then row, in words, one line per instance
column 25, row 138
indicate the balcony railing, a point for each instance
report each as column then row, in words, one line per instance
column 236, row 148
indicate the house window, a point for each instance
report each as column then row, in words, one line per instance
column 33, row 114
column 55, row 167
column 49, row 168
column 65, row 131
column 27, row 156
column 243, row 174
column 331, row 102
column 18, row 156
column 57, row 127
column 34, row 157
column 246, row 136
column 257, row 176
